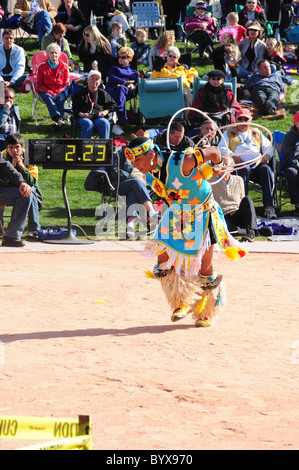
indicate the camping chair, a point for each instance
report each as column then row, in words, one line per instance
column 160, row 98
column 37, row 104
column 280, row 174
column 2, row 231
column 159, row 62
column 148, row 15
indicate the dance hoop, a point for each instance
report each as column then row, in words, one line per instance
column 237, row 166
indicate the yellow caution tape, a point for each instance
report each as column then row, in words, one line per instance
column 79, row 443
column 34, row 428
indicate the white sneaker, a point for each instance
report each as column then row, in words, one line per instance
column 269, row 213
column 117, row 130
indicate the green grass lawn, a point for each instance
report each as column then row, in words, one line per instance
column 83, row 203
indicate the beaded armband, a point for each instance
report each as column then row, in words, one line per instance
column 198, row 157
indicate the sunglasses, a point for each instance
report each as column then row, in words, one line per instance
column 172, row 56
column 243, row 119
column 86, row 34
column 216, row 78
column 123, row 57
column 251, row 3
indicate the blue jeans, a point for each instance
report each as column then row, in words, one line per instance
column 102, row 126
column 43, row 24
column 135, row 191
column 263, row 175
column 55, row 105
column 11, row 196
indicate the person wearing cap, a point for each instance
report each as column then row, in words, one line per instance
column 201, row 28
column 52, row 81
column 252, row 11
column 215, row 99
column 252, row 49
column 290, row 164
column 190, row 227
column 244, row 144
column 265, row 89
column 92, row 106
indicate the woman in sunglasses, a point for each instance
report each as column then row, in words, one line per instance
column 252, row 49
column 122, row 81
column 216, row 100
column 95, row 51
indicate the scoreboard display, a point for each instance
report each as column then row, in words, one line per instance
column 69, row 153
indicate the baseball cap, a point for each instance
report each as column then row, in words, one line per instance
column 94, row 72
column 296, row 117
column 202, row 5
column 244, row 112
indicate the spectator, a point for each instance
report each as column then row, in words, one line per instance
column 238, row 209
column 14, row 192
column 91, row 107
column 201, row 28
column 123, row 179
column 121, row 85
column 174, row 9
column 73, row 19
column 208, row 130
column 12, row 62
column 10, row 120
column 252, row 50
column 245, row 144
column 57, row 36
column 233, row 25
column 217, row 100
column 265, row 89
column 290, row 152
column 160, row 48
column 15, row 154
column 117, row 39
column 173, row 68
column 226, row 56
column 37, row 14
column 252, row 11
column 141, row 48
column 177, row 138
column 52, row 82
column 95, row 51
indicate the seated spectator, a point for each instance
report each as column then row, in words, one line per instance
column 252, row 11
column 173, row 68
column 117, row 39
column 14, row 152
column 207, row 135
column 238, row 209
column 95, row 51
column 252, row 50
column 160, row 47
column 216, row 100
column 122, row 178
column 121, row 85
column 73, row 19
column 290, row 152
column 141, row 48
column 274, row 54
column 14, row 191
column 37, row 14
column 52, row 81
column 10, row 120
column 233, row 25
column 244, row 144
column 57, row 36
column 92, row 106
column 201, row 28
column 114, row 10
column 177, row 138
column 226, row 56
column 264, row 88
column 12, row 62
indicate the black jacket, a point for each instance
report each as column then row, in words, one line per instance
column 102, row 101
column 290, row 149
column 9, row 176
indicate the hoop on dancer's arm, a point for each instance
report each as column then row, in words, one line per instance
column 237, row 166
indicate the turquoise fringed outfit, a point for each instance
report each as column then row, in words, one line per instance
column 184, row 229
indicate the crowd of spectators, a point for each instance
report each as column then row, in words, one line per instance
column 112, row 56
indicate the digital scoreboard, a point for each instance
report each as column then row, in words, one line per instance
column 69, row 153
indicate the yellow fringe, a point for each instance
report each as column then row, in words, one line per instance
column 235, row 253
column 149, row 274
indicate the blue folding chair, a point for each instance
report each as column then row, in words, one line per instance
column 200, row 82
column 160, row 98
column 280, row 174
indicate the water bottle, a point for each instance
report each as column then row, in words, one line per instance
column 131, row 21
column 94, row 20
